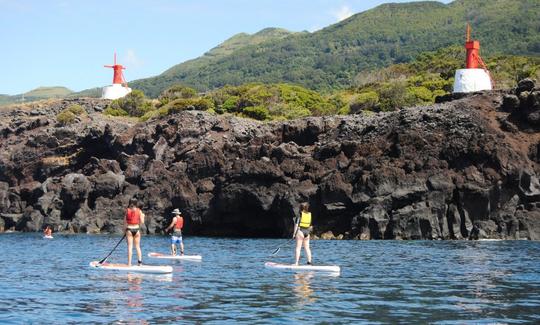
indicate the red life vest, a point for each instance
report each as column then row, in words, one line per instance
column 133, row 216
column 179, row 223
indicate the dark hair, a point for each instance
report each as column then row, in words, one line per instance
column 132, row 202
column 304, row 206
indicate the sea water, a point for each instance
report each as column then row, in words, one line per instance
column 49, row 281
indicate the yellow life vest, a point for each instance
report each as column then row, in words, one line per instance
column 305, row 219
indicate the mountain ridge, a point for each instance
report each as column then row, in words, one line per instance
column 38, row 93
column 330, row 58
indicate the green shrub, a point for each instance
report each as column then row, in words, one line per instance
column 293, row 112
column 76, row 109
column 176, row 92
column 364, row 101
column 420, row 95
column 154, row 114
column 134, row 103
column 256, row 112
column 65, row 117
column 256, row 95
column 231, row 104
column 115, row 112
column 392, row 96
column 188, row 104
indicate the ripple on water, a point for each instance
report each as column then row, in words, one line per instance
column 381, row 282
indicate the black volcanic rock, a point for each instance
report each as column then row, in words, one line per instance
column 463, row 169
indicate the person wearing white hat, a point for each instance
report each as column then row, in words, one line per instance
column 177, row 224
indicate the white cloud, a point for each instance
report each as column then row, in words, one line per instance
column 342, row 13
column 131, row 59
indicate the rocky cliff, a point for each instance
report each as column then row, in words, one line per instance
column 461, row 169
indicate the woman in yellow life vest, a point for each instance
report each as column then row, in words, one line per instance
column 302, row 230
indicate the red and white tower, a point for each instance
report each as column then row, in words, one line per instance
column 475, row 77
column 119, row 86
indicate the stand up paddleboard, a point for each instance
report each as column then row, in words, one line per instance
column 48, row 237
column 176, row 257
column 292, row 267
column 154, row 269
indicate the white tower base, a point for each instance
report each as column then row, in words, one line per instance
column 471, row 80
column 115, row 91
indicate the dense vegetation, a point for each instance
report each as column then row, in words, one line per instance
column 405, row 84
column 429, row 76
column 154, row 86
column 331, row 58
column 256, row 100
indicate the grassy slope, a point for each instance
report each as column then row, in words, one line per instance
column 153, row 86
column 331, row 58
column 36, row 94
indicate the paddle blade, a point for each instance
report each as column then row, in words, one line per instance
column 277, row 250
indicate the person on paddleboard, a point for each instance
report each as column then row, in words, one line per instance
column 47, row 232
column 302, row 229
column 177, row 223
column 132, row 227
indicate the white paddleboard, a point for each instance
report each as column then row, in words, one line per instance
column 175, row 257
column 48, row 237
column 323, row 268
column 155, row 269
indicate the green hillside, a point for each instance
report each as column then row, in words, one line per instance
column 333, row 57
column 153, row 86
column 48, row 92
column 5, row 99
column 92, row 92
column 36, row 94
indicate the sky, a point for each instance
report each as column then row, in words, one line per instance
column 67, row 42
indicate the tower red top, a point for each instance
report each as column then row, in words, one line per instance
column 473, row 51
column 118, row 77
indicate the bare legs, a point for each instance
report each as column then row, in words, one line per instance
column 130, row 239
column 300, row 239
column 173, row 248
column 138, row 246
column 307, row 249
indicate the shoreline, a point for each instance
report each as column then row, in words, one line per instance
column 466, row 168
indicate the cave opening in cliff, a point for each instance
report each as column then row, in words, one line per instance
column 240, row 213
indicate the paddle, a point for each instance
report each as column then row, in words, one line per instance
column 289, row 241
column 103, row 260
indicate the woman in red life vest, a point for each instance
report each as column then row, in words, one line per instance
column 132, row 227
column 302, row 230
column 177, row 224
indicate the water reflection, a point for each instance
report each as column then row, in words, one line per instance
column 135, row 300
column 302, row 288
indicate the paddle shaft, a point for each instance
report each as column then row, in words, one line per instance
column 296, row 225
column 121, row 239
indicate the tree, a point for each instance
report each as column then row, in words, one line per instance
column 176, row 92
column 134, row 103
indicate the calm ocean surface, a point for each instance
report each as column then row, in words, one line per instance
column 49, row 281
